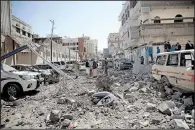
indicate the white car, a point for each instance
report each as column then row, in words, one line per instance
column 82, row 65
column 15, row 83
column 70, row 65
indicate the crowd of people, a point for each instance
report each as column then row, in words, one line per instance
column 168, row 48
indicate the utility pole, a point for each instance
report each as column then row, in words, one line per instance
column 52, row 21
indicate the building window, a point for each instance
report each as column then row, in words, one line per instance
column 178, row 16
column 157, row 19
column 29, row 35
column 17, row 30
column 77, row 48
column 23, row 28
column 23, row 33
column 77, row 43
column 17, row 25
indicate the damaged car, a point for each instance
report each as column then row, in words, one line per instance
column 51, row 76
column 14, row 82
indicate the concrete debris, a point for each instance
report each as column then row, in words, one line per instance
column 54, row 115
column 180, row 124
column 168, row 90
column 121, row 100
column 150, row 107
column 193, row 114
column 188, row 101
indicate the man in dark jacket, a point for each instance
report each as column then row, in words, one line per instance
column 168, row 47
column 178, row 46
column 187, row 47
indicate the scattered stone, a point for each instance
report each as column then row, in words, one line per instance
column 7, row 120
column 180, row 124
column 188, row 118
column 176, row 95
column 144, row 123
column 54, row 115
column 90, row 92
column 178, row 117
column 150, row 107
column 146, row 114
column 143, row 90
column 65, row 124
column 165, row 107
column 126, row 117
column 67, row 116
column 133, row 89
column 193, row 114
column 155, row 121
column 188, row 101
column 168, row 90
column 61, row 100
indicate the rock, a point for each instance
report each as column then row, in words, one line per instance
column 166, row 107
column 54, row 115
column 133, row 89
column 61, row 100
column 70, row 101
column 7, row 120
column 155, row 121
column 178, row 117
column 126, row 117
column 180, row 124
column 90, row 92
column 168, row 90
column 144, row 123
column 67, row 116
column 143, row 90
column 141, row 84
column 176, row 95
column 150, row 107
column 65, row 124
column 193, row 114
column 188, row 118
column 188, row 101
column 107, row 100
column 117, row 84
column 146, row 114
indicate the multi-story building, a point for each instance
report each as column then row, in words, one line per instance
column 77, row 45
column 105, row 53
column 91, row 48
column 150, row 23
column 21, row 29
column 114, row 44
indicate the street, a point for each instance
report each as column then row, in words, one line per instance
column 138, row 105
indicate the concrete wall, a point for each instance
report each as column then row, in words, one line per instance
column 6, row 21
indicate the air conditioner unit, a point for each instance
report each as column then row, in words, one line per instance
column 145, row 9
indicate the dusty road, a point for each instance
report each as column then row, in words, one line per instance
column 140, row 104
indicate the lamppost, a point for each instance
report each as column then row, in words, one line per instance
column 52, row 21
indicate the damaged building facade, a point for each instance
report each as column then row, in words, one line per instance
column 147, row 25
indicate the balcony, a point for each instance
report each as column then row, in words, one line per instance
column 135, row 12
column 167, row 29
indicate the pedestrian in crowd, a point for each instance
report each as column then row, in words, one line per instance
column 168, row 47
column 91, row 68
column 158, row 50
column 191, row 45
column 76, row 69
column 106, row 67
column 172, row 48
column 178, row 46
column 87, row 68
column 150, row 51
column 95, row 65
column 165, row 47
column 187, row 47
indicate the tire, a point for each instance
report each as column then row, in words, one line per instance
column 165, row 81
column 13, row 90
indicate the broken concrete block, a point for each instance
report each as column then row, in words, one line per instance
column 150, row 107
column 65, row 124
column 155, row 121
column 180, row 124
column 193, row 114
column 133, row 89
column 54, row 115
column 146, row 114
column 177, row 117
column 164, row 108
column 188, row 101
column 67, row 116
column 144, row 123
column 168, row 90
column 143, row 90
column 61, row 100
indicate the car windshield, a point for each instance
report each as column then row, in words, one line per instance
column 44, row 67
column 7, row 68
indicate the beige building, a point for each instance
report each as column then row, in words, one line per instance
column 151, row 23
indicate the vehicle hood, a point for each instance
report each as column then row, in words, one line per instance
column 25, row 73
column 46, row 72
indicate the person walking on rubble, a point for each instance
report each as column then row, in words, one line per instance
column 94, row 71
column 87, row 68
column 106, row 67
column 76, row 69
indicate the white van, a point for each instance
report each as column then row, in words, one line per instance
column 175, row 68
column 12, row 83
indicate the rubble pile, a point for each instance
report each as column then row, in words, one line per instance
column 121, row 100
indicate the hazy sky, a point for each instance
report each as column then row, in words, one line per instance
column 72, row 18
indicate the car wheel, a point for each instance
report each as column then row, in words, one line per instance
column 13, row 90
column 165, row 81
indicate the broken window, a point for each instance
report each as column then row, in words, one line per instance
column 160, row 60
column 23, row 33
column 157, row 19
column 17, row 30
column 178, row 16
column 142, row 60
column 183, row 60
column 29, row 35
column 173, row 60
